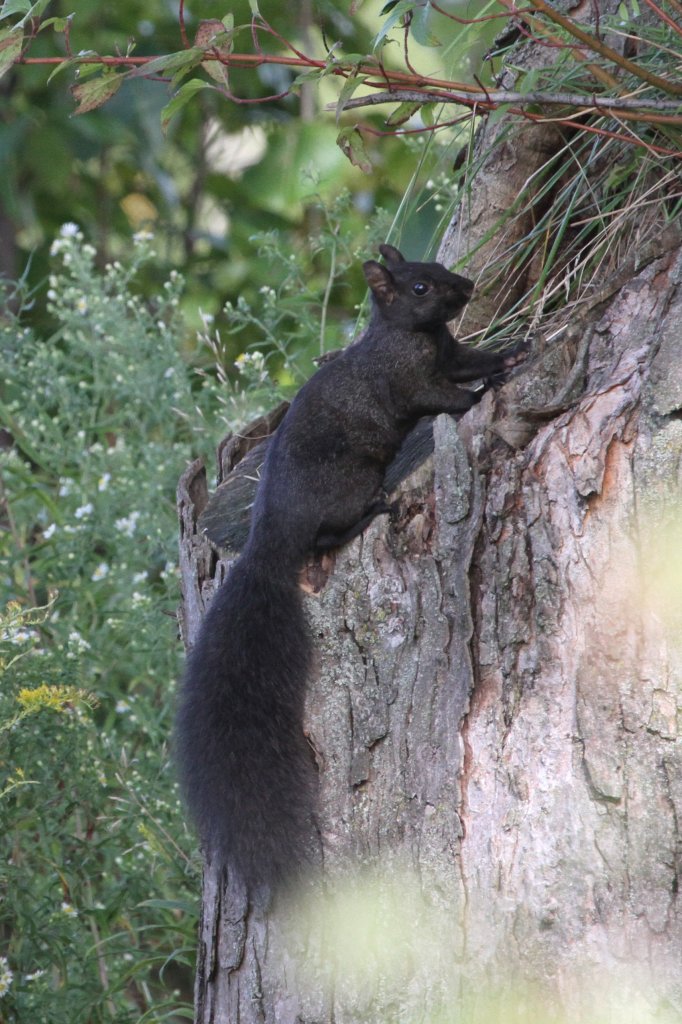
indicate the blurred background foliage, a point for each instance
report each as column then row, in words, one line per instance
column 224, row 172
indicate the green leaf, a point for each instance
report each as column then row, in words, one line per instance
column 186, row 906
column 90, row 95
column 85, row 71
column 11, row 43
column 402, row 113
column 428, row 114
column 419, row 27
column 182, row 96
column 351, row 143
column 528, row 82
column 308, row 76
column 170, row 63
column 71, row 62
column 348, row 60
column 22, row 7
column 401, row 8
column 14, row 7
column 349, row 87
column 59, row 24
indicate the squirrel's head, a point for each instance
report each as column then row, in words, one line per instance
column 418, row 296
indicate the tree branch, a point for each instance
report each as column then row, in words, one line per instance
column 496, row 97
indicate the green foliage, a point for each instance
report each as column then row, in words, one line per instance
column 98, row 879
column 99, row 874
column 308, row 307
column 222, row 173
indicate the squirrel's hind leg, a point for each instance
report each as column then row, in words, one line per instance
column 328, row 537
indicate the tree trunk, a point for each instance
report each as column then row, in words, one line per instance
column 495, row 705
column 495, row 715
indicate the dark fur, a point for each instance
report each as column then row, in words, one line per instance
column 247, row 772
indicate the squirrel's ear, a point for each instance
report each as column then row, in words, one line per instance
column 380, row 281
column 391, row 254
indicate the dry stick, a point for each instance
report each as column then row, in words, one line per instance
column 496, row 97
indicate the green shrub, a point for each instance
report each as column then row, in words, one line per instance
column 100, row 881
column 100, row 876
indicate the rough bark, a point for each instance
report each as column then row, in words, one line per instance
column 495, row 716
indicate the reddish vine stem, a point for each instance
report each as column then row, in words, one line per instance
column 181, row 23
column 266, row 27
column 406, row 50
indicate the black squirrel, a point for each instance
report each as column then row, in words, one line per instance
column 246, row 768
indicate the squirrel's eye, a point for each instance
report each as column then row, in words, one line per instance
column 420, row 288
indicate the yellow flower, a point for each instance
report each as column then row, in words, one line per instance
column 55, row 698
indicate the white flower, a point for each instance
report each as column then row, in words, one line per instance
column 139, row 577
column 6, row 976
column 65, row 487
column 49, row 531
column 127, row 524
column 169, row 372
column 145, row 235
column 69, row 910
column 83, row 510
column 22, row 636
column 122, row 707
column 78, row 641
column 69, row 230
column 82, row 305
column 103, row 482
column 100, row 572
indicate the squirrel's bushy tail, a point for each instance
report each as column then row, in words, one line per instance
column 245, row 766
